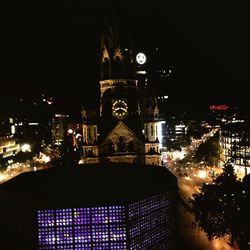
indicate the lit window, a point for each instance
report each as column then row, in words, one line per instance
column 82, row 228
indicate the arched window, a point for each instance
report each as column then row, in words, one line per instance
column 90, row 152
column 111, row 147
column 121, row 146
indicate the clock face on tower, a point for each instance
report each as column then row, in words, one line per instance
column 119, row 109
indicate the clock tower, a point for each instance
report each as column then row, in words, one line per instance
column 119, row 132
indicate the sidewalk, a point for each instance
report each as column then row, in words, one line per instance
column 193, row 238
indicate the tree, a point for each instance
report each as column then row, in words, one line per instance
column 245, row 216
column 209, row 151
column 217, row 207
column 196, row 131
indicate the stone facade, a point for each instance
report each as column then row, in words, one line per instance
column 126, row 128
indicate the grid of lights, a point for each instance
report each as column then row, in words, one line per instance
column 82, row 228
column 148, row 219
column 151, row 223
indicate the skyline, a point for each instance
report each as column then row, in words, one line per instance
column 50, row 49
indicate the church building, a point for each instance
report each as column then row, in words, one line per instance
column 126, row 126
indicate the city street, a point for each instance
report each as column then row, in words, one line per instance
column 191, row 177
column 193, row 238
column 192, row 235
column 17, row 168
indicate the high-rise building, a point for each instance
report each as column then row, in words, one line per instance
column 59, row 127
column 235, row 144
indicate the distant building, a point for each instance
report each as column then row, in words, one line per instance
column 180, row 131
column 115, row 206
column 76, row 130
column 235, row 142
column 223, row 114
column 7, row 126
column 58, row 127
column 32, row 120
column 173, row 131
column 8, row 148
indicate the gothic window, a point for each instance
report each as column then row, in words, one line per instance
column 121, row 146
column 110, row 147
column 152, row 130
column 95, row 133
column 89, row 135
column 90, row 152
column 152, row 150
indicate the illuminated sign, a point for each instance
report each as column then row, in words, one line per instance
column 141, row 58
column 218, row 107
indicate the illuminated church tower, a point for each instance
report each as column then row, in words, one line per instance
column 125, row 127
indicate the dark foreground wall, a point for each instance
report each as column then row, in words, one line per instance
column 90, row 207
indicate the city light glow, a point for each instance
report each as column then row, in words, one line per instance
column 202, row 174
column 26, row 147
column 70, row 131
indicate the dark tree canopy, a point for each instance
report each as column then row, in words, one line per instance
column 244, row 240
column 69, row 155
column 218, row 207
column 209, row 151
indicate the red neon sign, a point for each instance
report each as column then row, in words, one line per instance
column 218, row 107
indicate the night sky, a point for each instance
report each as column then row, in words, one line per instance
column 52, row 48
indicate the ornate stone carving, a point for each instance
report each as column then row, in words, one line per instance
column 118, row 54
column 121, row 140
column 105, row 54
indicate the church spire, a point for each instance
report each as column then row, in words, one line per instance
column 116, row 52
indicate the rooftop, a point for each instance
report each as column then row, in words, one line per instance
column 91, row 185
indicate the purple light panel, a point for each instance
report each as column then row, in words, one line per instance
column 151, row 224
column 152, row 221
column 82, row 228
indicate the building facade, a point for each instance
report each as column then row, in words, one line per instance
column 8, row 148
column 126, row 126
column 235, row 143
column 107, row 206
column 58, row 127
